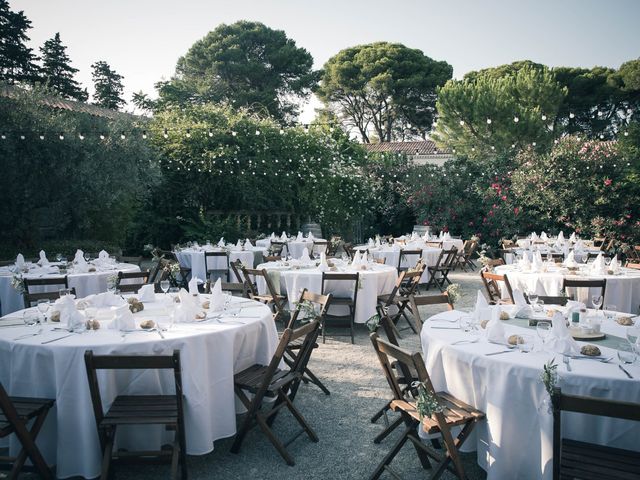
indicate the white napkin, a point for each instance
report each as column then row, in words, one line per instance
column 536, row 264
column 69, row 314
column 273, row 236
column 106, row 299
column 79, row 257
column 559, row 244
column 395, row 247
column 560, row 339
column 615, row 264
column 323, row 266
column 283, row 237
column 300, row 237
column 579, row 246
column 377, row 242
column 525, row 264
column 193, row 286
column 103, row 256
column 598, row 267
column 522, row 307
column 20, row 261
column 447, row 236
column 188, row 309
column 217, row 297
column 481, row 308
column 495, row 330
column 147, row 293
column 572, row 238
column 356, row 259
column 247, row 243
column 305, row 255
column 371, row 242
column 43, row 259
column 534, row 236
column 221, row 243
column 561, row 236
column 310, row 236
column 239, row 244
column 441, row 235
column 414, row 236
column 123, row 319
column 570, row 260
column 544, row 237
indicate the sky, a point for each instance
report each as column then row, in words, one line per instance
column 143, row 39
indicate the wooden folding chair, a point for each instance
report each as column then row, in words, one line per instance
column 551, row 299
column 599, row 242
column 439, row 273
column 319, row 246
column 576, row 459
column 61, row 283
column 455, row 413
column 400, row 297
column 348, row 301
column 15, row 415
column 584, row 283
column 464, row 257
column 405, row 254
column 492, row 283
column 635, row 266
column 258, row 382
column 210, row 269
column 131, row 260
column 276, row 302
column 276, row 248
column 434, row 244
column 272, row 258
column 417, row 300
column 133, row 287
column 349, row 250
column 163, row 410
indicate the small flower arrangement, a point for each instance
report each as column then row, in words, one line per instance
column 426, row 402
column 453, row 291
column 17, row 282
column 549, row 375
column 112, row 282
column 173, row 271
column 373, row 323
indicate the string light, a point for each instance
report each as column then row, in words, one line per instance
column 234, row 133
column 462, row 123
column 488, row 121
column 61, row 136
column 210, row 133
column 101, row 136
column 81, row 136
column 572, row 115
column 257, row 133
column 165, row 134
column 144, row 134
column 516, row 119
column 122, row 136
column 544, row 117
column 42, row 136
column 281, row 131
column 188, row 133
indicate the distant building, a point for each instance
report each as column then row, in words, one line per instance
column 421, row 153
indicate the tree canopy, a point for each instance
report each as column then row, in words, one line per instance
column 384, row 88
column 17, row 61
column 108, row 86
column 245, row 64
column 57, row 72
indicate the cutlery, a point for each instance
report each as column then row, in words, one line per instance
column 445, row 328
column 566, row 360
column 460, row 342
column 625, row 371
column 56, row 339
column 498, row 353
column 28, row 335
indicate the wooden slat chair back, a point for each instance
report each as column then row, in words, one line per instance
column 333, row 245
column 400, row 297
column 439, row 273
column 272, row 258
column 348, row 301
column 421, row 300
column 593, row 255
column 276, row 247
column 349, row 250
column 211, row 270
column 238, row 274
column 408, row 256
column 633, row 255
column 599, row 242
column 141, row 279
column 258, row 382
column 464, row 258
column 576, row 459
column 319, row 246
column 550, row 299
column 385, row 301
column 433, row 244
column 271, row 298
column 492, row 282
column 454, row 413
column 635, row 266
column 166, row 410
column 506, row 244
column 30, row 297
column 575, row 283
column 494, row 262
column 15, row 415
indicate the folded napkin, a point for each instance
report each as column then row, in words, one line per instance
column 395, row 247
column 534, row 236
column 239, row 244
column 544, row 237
column 217, row 298
column 560, row 339
column 324, row 266
column 283, row 237
column 559, row 244
column 561, row 235
column 579, row 246
column 441, row 234
column 310, row 236
column 570, row 260
column 106, row 299
column 377, row 242
column 615, row 264
column 525, row 264
column 189, row 307
column 247, row 243
column 447, row 236
column 123, row 320
column 20, row 261
column 598, row 267
column 273, row 236
column 103, row 255
column 523, row 309
column 79, row 257
column 70, row 317
column 414, row 236
column 495, row 330
column 193, row 286
column 482, row 310
column 371, row 242
column 221, row 242
column 147, row 293
column 356, row 259
column 305, row 255
column 536, row 264
column 573, row 238
column 300, row 237
column 43, row 259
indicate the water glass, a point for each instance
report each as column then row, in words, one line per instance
column 610, row 311
column 543, row 329
column 165, row 285
column 526, row 345
column 596, row 301
column 43, row 306
column 467, row 324
column 626, row 353
column 30, row 318
column 58, row 257
column 173, row 293
column 632, row 335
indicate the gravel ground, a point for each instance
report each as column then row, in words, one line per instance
column 341, row 420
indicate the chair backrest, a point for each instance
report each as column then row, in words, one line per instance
column 420, row 300
column 30, row 297
column 348, row 249
column 450, row 257
column 278, row 301
column 550, row 299
column 494, row 262
column 633, row 265
column 507, row 243
column 470, row 247
column 236, row 268
column 93, row 363
column 411, row 281
column 405, row 253
column 342, row 277
column 585, row 283
column 320, row 302
column 209, row 263
column 589, row 406
column 132, row 260
column 333, row 245
column 142, row 277
column 272, row 258
column 391, row 297
column 276, row 247
column 434, row 244
column 492, row 282
column 599, row 241
column 319, row 246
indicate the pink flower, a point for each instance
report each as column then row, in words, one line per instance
column 516, row 210
column 504, row 198
column 608, row 182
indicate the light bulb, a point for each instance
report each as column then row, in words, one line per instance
column 61, row 137
column 626, row 134
column 572, row 115
column 101, row 136
column 210, row 133
column 544, row 117
column 41, row 136
column 534, row 144
column 81, row 136
column 122, row 136
column 281, row 131
column 165, row 134
column 233, row 134
column 21, row 137
column 488, row 121
column 257, row 132
column 188, row 133
column 516, row 119
column 461, row 123
column 3, row 136
column 144, row 134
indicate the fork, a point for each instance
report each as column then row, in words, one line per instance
column 566, row 360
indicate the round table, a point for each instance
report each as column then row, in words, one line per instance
column 293, row 247
column 85, row 283
column 391, row 255
column 622, row 290
column 515, row 440
column 511, row 253
column 210, row 354
column 292, row 277
column 193, row 258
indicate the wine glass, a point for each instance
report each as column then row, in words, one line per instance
column 610, row 311
column 596, row 301
column 626, row 353
column 533, row 300
column 30, row 318
column 87, row 256
column 58, row 257
column 43, row 306
column 543, row 329
column 164, row 285
column 632, row 335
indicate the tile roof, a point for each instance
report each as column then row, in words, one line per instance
column 424, row 147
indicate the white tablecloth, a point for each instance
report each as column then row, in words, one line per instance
column 429, row 255
column 623, row 290
column 294, row 247
column 210, row 352
column 515, row 440
column 377, row 280
column 194, row 259
column 510, row 254
column 84, row 283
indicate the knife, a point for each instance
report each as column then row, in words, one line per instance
column 56, row 339
column 498, row 353
column 625, row 371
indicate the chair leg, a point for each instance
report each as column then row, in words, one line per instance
column 301, row 420
column 381, row 412
column 313, row 379
column 451, row 455
column 27, row 439
column 106, row 454
column 385, row 433
column 390, row 456
column 274, row 440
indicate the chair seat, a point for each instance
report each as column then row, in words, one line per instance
column 266, row 298
column 27, row 409
column 589, row 461
column 297, row 344
column 341, row 301
column 455, row 412
column 142, row 410
column 251, row 378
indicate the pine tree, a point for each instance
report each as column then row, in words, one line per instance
column 17, row 61
column 57, row 72
column 108, row 86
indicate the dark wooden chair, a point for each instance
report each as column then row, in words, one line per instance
column 60, row 283
column 407, row 255
column 492, row 283
column 573, row 459
column 272, row 258
column 349, row 250
column 15, row 415
column 165, row 410
column 348, row 301
column 210, row 269
column 319, row 246
column 259, row 382
column 276, row 248
column 416, row 301
column 333, row 245
column 464, row 258
column 550, row 299
column 434, row 244
column 276, row 302
column 439, row 273
column 141, row 279
column 584, row 283
column 400, row 297
column 132, row 260
column 238, row 276
column 454, row 413
column 494, row 262
column 599, row 242
column 635, row 266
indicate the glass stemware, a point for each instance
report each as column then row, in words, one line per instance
column 626, row 353
column 165, row 285
column 58, row 257
column 543, row 329
column 43, row 306
column 596, row 301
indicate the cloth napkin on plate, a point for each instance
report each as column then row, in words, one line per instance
column 305, row 255
column 324, row 266
column 79, row 257
column 106, row 299
column 103, row 255
column 544, row 237
column 495, row 330
column 570, row 260
column 482, row 310
column 598, row 267
column 414, row 236
column 534, row 236
column 123, row 320
column 43, row 262
column 221, row 242
column 615, row 264
column 525, row 264
column 300, row 237
column 247, row 243
column 560, row 339
column 193, row 286
column 217, row 298
column 70, row 317
column 239, row 245
column 20, row 261
column 147, row 293
column 536, row 264
column 523, row 309
column 559, row 244
column 188, row 309
column 377, row 242
column 356, row 259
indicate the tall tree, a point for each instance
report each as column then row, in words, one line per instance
column 108, row 86
column 57, row 72
column 245, row 64
column 383, row 89
column 17, row 61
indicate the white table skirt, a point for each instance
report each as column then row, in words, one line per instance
column 429, row 255
column 84, row 283
column 211, row 353
column 377, row 281
column 194, row 259
column 515, row 440
column 623, row 291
